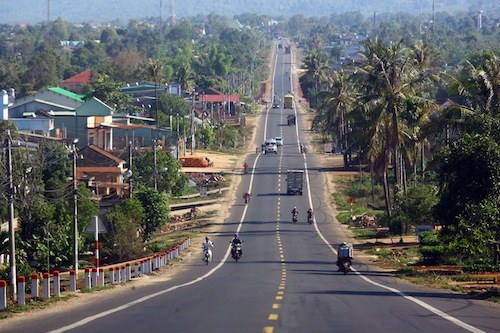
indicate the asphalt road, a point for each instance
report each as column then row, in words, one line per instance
column 287, row 279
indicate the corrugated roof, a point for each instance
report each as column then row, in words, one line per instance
column 113, row 170
column 218, row 98
column 105, row 153
column 67, row 93
column 83, row 77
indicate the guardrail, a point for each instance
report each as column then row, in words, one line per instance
column 93, row 277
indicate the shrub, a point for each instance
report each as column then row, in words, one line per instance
column 432, row 255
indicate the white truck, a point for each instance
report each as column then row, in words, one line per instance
column 294, row 181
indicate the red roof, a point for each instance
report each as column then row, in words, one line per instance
column 219, row 98
column 83, row 77
column 112, row 170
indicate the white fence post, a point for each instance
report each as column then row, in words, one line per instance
column 3, row 294
column 72, row 280
column 35, row 286
column 46, row 285
column 21, row 290
column 57, row 284
column 86, row 277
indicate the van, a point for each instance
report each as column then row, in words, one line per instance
column 270, row 146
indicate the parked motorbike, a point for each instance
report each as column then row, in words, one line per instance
column 345, row 265
column 236, row 252
column 295, row 217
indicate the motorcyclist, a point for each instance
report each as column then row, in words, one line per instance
column 207, row 247
column 236, row 242
column 344, row 251
column 245, row 167
column 295, row 213
column 247, row 196
column 310, row 215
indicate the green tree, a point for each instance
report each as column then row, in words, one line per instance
column 122, row 242
column 316, row 72
column 106, row 90
column 156, row 210
column 469, row 180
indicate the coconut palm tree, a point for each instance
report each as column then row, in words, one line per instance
column 316, row 73
column 336, row 101
column 388, row 84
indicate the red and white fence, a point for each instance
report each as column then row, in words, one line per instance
column 93, row 277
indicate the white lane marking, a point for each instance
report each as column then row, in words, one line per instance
column 426, row 306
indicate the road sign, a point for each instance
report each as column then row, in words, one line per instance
column 94, row 224
column 203, row 191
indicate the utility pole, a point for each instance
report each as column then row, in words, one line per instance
column 192, row 125
column 75, row 211
column 12, row 239
column 130, row 150
column 155, row 171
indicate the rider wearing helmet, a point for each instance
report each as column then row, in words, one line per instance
column 295, row 211
column 235, row 242
column 344, row 251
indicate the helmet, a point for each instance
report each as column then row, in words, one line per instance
column 343, row 243
column 294, row 207
column 207, row 238
column 235, row 235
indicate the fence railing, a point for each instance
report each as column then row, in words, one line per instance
column 93, row 277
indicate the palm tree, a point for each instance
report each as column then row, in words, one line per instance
column 388, row 82
column 316, row 71
column 480, row 85
column 336, row 102
column 154, row 70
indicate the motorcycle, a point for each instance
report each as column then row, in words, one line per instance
column 295, row 217
column 236, row 252
column 207, row 255
column 247, row 198
column 246, row 168
column 310, row 219
column 345, row 265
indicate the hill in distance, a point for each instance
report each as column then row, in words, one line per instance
column 101, row 11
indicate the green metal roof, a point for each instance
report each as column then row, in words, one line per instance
column 67, row 93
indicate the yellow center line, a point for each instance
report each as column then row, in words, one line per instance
column 273, row 316
column 276, row 306
column 268, row 329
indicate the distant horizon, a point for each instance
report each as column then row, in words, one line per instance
column 79, row 11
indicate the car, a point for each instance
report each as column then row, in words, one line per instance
column 279, row 141
column 276, row 105
column 270, row 146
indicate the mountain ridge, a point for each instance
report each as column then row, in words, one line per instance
column 30, row 11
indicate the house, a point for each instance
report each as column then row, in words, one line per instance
column 78, row 81
column 102, row 171
column 217, row 105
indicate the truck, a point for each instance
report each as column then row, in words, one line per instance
column 294, row 181
column 288, row 101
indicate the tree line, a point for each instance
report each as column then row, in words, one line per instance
column 426, row 131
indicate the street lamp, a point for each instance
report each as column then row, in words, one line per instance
column 75, row 210
column 12, row 241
